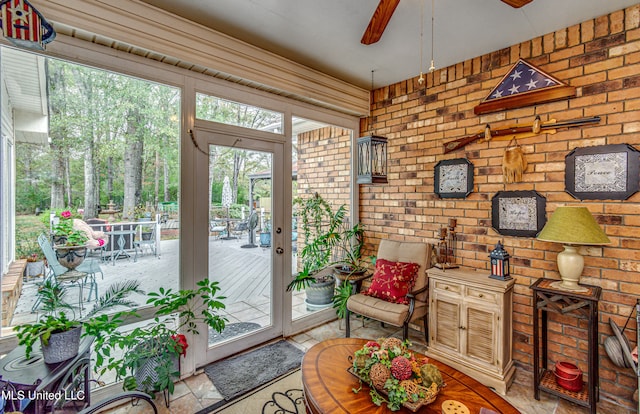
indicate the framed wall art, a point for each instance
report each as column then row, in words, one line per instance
column 604, row 172
column 518, row 213
column 453, row 178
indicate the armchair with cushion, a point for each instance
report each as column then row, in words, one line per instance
column 398, row 294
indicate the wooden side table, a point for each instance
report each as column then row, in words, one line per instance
column 581, row 305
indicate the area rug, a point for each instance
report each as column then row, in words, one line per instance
column 231, row 330
column 282, row 395
column 240, row 374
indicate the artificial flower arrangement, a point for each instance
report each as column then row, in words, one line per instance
column 390, row 368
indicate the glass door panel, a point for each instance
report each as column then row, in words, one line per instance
column 243, row 187
column 240, row 238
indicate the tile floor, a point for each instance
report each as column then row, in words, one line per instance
column 197, row 392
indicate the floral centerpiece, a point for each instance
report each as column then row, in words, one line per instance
column 395, row 375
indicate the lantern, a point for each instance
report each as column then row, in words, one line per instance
column 24, row 26
column 499, row 263
column 372, row 160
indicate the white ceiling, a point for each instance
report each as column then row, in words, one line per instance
column 325, row 34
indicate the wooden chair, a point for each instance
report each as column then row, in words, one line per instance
column 393, row 313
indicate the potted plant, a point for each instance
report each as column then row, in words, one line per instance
column 27, row 248
column 150, row 354
column 59, row 331
column 265, row 234
column 69, row 242
column 324, row 235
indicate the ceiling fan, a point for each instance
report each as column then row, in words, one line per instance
column 385, row 9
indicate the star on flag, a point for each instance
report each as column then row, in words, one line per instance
column 521, row 78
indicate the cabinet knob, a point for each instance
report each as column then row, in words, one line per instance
column 446, row 288
column 481, row 295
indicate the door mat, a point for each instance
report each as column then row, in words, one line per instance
column 240, row 374
column 282, row 395
column 231, row 330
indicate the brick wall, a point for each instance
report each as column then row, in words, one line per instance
column 601, row 58
column 324, row 159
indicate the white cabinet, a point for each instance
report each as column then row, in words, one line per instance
column 470, row 324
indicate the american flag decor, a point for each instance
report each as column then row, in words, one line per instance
column 24, row 26
column 522, row 78
column 524, row 85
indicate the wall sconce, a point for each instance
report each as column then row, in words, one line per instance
column 372, row 160
column 499, row 263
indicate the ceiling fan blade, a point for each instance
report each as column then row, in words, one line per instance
column 379, row 21
column 517, row 3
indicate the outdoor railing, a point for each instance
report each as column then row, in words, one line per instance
column 127, row 233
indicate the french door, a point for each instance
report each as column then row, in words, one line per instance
column 248, row 267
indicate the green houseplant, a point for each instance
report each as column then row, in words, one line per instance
column 146, row 358
column 59, row 318
column 328, row 242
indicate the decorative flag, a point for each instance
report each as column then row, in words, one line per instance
column 522, row 78
column 24, row 26
column 524, row 85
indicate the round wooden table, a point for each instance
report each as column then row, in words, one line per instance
column 328, row 387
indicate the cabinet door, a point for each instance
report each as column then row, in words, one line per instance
column 480, row 334
column 445, row 322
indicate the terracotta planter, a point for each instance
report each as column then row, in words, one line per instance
column 70, row 256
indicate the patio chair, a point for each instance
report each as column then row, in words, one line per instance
column 149, row 241
column 86, row 272
column 217, row 227
column 386, row 310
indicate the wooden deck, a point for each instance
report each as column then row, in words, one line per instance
column 243, row 274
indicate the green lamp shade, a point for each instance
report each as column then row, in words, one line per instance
column 573, row 225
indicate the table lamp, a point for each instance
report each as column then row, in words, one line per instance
column 572, row 226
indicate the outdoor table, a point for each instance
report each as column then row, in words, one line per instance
column 229, row 236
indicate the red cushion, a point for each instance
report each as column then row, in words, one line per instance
column 393, row 280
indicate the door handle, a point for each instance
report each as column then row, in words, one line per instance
column 279, row 250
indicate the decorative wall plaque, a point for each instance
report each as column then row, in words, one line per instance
column 602, row 172
column 453, row 178
column 518, row 213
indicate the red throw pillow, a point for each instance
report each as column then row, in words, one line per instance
column 393, row 280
